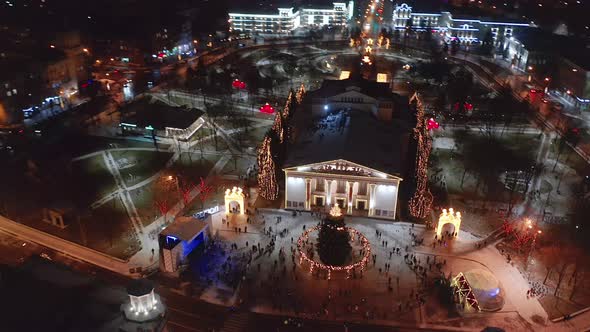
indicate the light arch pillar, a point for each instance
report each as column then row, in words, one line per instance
column 235, row 195
column 450, row 217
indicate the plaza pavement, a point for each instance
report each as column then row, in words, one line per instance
column 309, row 292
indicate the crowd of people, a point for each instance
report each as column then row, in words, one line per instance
column 264, row 267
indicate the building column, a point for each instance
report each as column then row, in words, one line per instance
column 349, row 187
column 328, row 188
column 371, row 199
column 307, row 193
column 286, row 191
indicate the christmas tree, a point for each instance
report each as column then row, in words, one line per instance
column 421, row 202
column 267, row 178
column 333, row 239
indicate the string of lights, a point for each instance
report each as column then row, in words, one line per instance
column 354, row 234
column 300, row 94
column 287, row 108
column 267, row 175
column 421, row 202
column 277, row 127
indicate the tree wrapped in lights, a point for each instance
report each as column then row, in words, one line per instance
column 185, row 188
column 421, row 202
column 278, row 127
column 288, row 105
column 333, row 239
column 205, row 191
column 300, row 94
column 267, row 177
column 163, row 207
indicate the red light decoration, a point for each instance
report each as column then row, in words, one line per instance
column 432, row 124
column 267, row 109
column 238, row 84
column 466, row 106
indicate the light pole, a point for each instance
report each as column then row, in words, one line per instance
column 537, row 233
column 547, row 81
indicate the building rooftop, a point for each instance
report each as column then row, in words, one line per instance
column 148, row 112
column 272, row 7
column 329, row 88
column 573, row 49
column 184, row 228
column 352, row 135
column 140, row 287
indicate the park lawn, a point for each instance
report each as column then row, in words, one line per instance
column 109, row 230
column 255, row 135
column 145, row 197
column 192, row 166
column 204, row 132
column 106, row 229
column 237, row 165
column 93, row 177
column 147, row 163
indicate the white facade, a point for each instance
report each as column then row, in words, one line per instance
column 357, row 189
column 288, row 19
column 466, row 31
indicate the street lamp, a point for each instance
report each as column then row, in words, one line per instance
column 537, row 233
column 530, row 70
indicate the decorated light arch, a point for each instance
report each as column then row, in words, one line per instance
column 235, row 195
column 449, row 217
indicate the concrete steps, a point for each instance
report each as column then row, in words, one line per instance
column 236, row 322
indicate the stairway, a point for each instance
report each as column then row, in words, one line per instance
column 236, row 322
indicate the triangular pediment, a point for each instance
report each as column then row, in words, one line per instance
column 352, row 94
column 341, row 167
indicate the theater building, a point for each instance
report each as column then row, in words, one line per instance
column 357, row 189
column 350, row 152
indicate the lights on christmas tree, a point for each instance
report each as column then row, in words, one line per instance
column 287, row 109
column 278, row 128
column 300, row 94
column 267, row 177
column 421, row 202
column 335, row 211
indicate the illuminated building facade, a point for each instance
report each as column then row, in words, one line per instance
column 357, row 189
column 466, row 31
column 289, row 19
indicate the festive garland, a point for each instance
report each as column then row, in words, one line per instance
column 348, row 268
